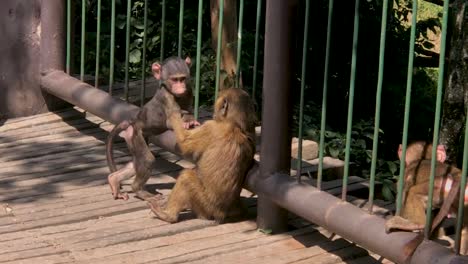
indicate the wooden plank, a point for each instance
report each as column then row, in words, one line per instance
column 199, row 248
column 76, row 179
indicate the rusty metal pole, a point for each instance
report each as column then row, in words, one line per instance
column 52, row 44
column 52, row 35
column 276, row 144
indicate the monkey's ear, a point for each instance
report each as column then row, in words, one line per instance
column 400, row 150
column 157, row 70
column 224, row 109
column 188, row 61
column 441, row 154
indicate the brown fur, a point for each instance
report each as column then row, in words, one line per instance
column 223, row 151
column 416, row 188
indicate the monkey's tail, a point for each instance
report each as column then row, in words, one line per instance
column 110, row 146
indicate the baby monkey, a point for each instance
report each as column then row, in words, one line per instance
column 174, row 95
column 415, row 194
column 223, row 150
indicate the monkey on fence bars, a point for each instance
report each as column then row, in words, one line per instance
column 174, row 95
column 223, row 150
column 415, row 194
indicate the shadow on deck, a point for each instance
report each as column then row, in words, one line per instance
column 56, row 207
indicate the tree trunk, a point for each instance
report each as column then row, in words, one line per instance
column 229, row 38
column 456, row 93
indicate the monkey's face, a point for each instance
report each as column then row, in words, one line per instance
column 177, row 84
column 174, row 73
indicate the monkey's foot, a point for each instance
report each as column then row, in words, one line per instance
column 145, row 195
column 400, row 223
column 115, row 188
column 159, row 212
column 123, row 196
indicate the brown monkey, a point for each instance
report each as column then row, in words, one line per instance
column 174, row 95
column 416, row 188
column 223, row 151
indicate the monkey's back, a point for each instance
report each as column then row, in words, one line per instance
column 443, row 179
column 225, row 161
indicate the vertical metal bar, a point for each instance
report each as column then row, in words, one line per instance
column 218, row 49
column 98, row 44
column 83, row 38
column 301, row 100
column 257, row 34
column 351, row 100
column 435, row 139
column 239, row 41
column 52, row 37
column 197, row 74
column 112, row 49
column 163, row 29
column 276, row 145
column 461, row 201
column 324, row 96
column 378, row 97
column 181, row 28
column 143, row 59
column 127, row 47
column 68, row 59
column 409, row 82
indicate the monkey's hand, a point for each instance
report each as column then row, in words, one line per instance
column 400, row 223
column 189, row 120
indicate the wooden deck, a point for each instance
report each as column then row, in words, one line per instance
column 56, row 207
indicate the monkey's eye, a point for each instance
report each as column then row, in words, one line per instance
column 177, row 79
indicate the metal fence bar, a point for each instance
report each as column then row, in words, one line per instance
column 378, row 97
column 163, row 29
column 127, row 47
column 239, row 41
column 181, row 28
column 83, row 39
column 68, row 59
column 143, row 59
column 351, row 100
column 112, row 49
column 435, row 139
column 461, row 201
column 409, row 81
column 218, row 49
column 257, row 35
column 98, row 44
column 301, row 100
column 198, row 66
column 324, row 96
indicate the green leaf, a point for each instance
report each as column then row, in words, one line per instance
column 387, row 193
column 334, row 152
column 392, row 167
column 135, row 56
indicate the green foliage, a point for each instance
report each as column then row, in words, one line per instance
column 362, row 136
